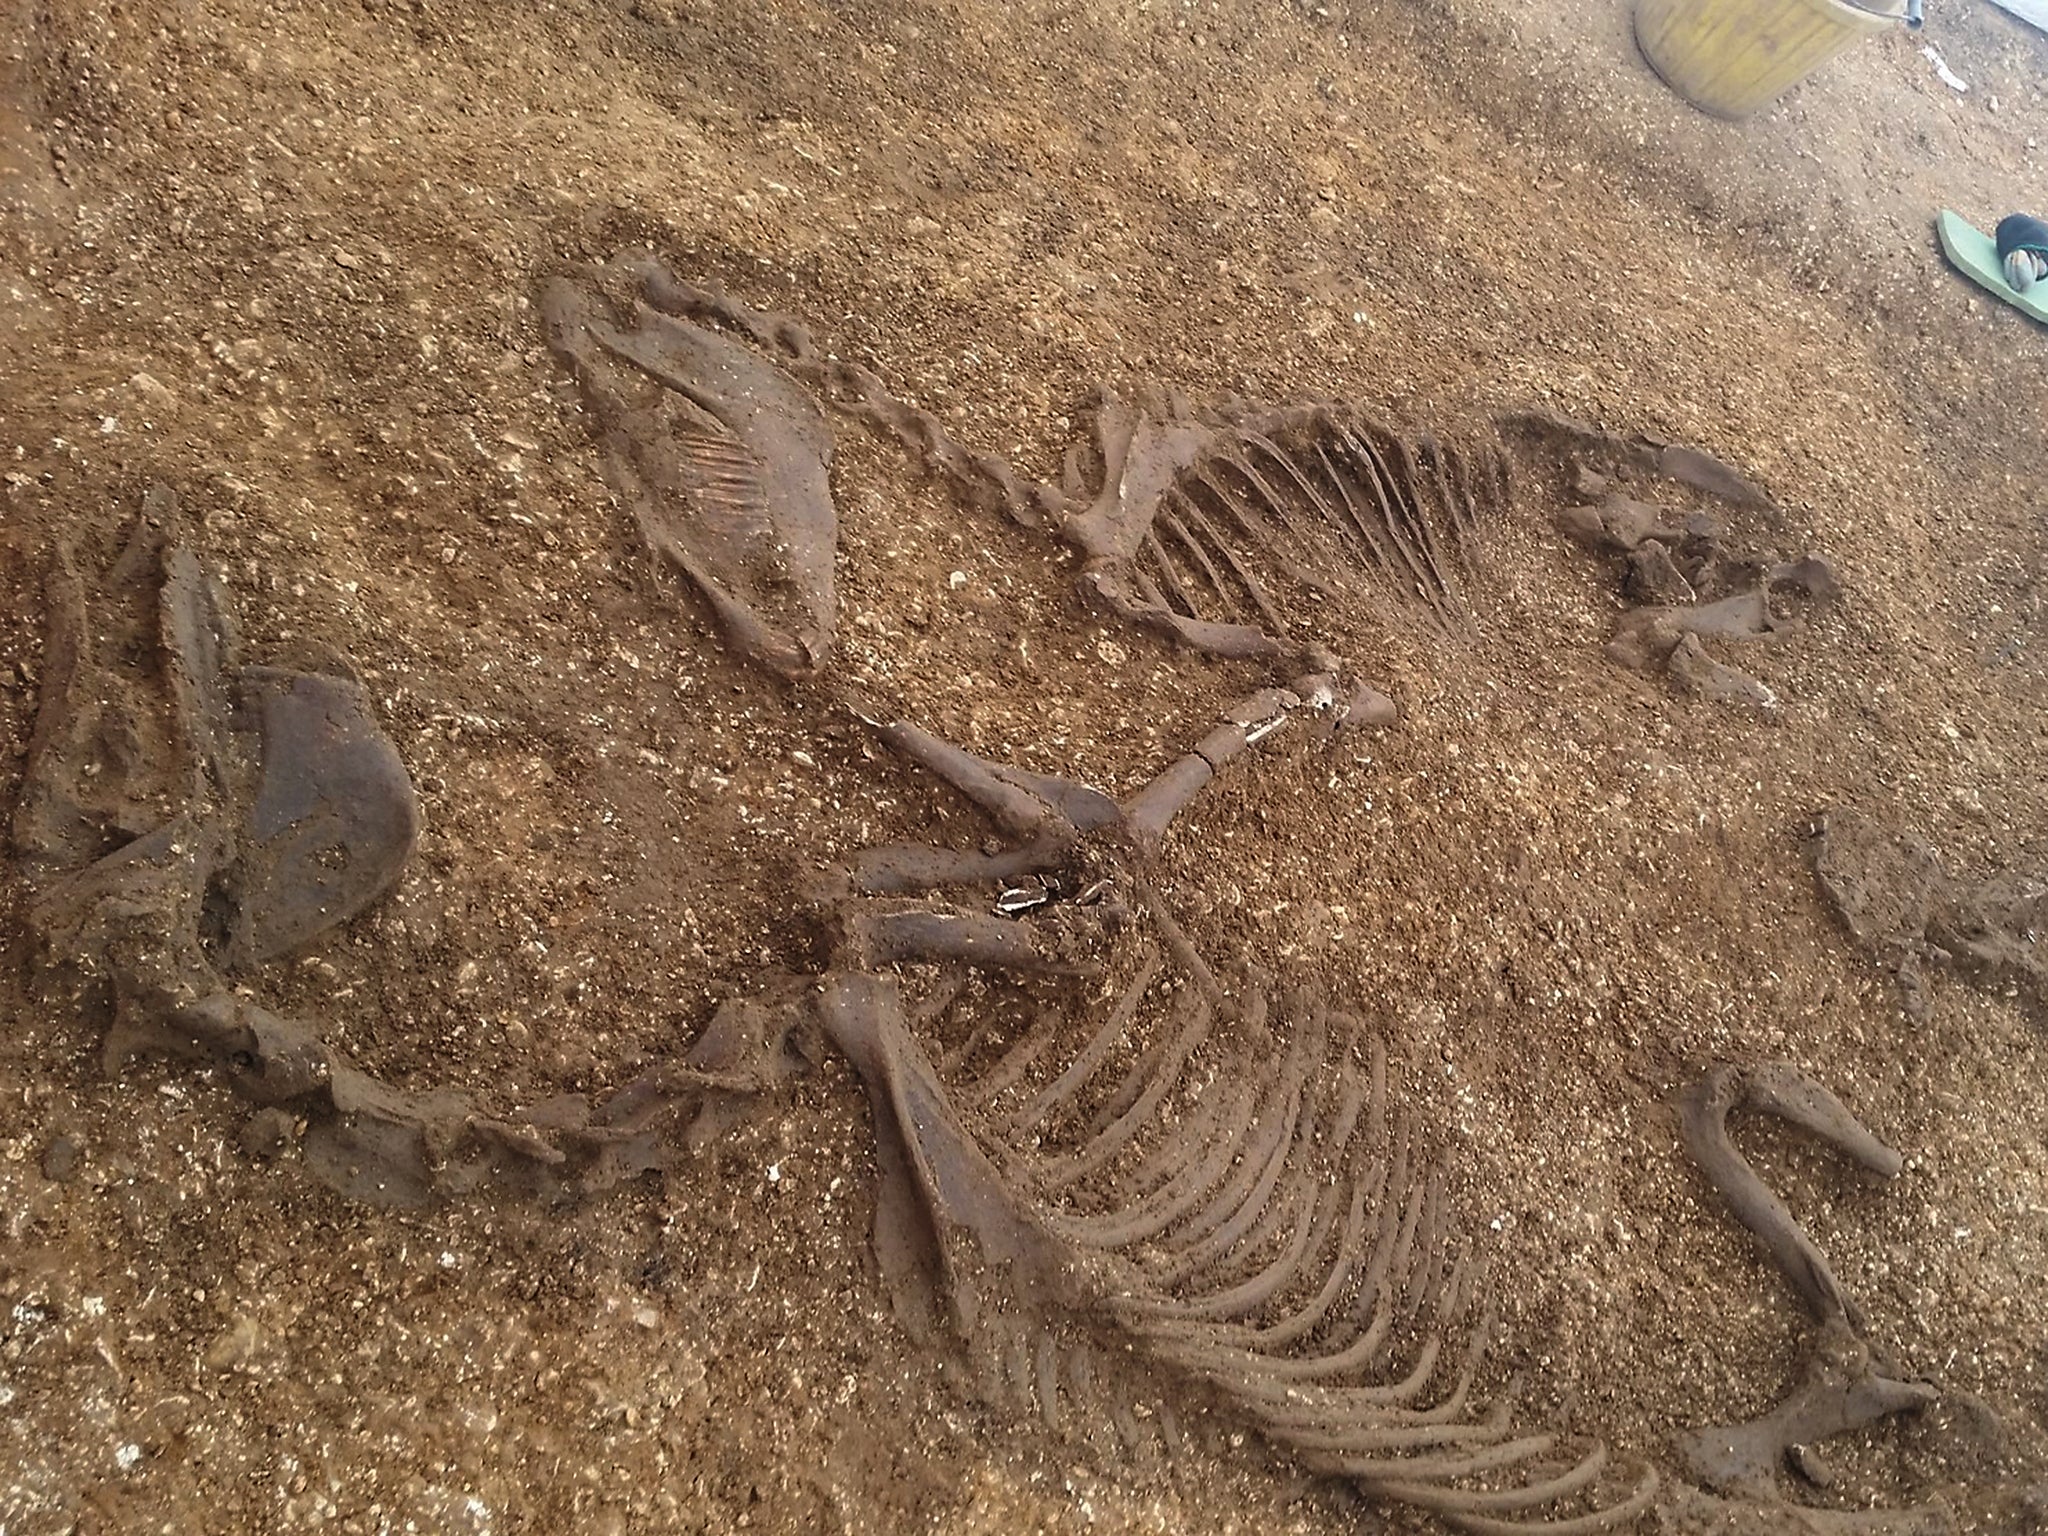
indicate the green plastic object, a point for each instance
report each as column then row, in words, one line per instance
column 1974, row 254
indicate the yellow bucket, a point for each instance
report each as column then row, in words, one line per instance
column 1735, row 57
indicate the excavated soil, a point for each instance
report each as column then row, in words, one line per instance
column 285, row 259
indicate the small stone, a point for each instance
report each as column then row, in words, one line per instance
column 62, row 1159
column 1370, row 708
column 268, row 1132
column 153, row 389
column 347, row 261
column 1809, row 1464
column 236, row 1346
column 1654, row 577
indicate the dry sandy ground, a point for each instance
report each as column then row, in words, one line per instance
column 284, row 259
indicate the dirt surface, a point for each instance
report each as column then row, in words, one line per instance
column 286, row 260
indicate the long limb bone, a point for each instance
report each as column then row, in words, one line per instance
column 1049, row 815
column 1785, row 1091
column 1843, row 1390
column 1844, row 1387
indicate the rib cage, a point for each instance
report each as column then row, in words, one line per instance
column 1326, row 502
column 1210, row 1202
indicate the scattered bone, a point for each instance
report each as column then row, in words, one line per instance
column 1607, row 455
column 1898, row 902
column 1885, row 889
column 1647, row 636
column 1810, row 575
column 1883, row 885
column 1683, row 569
column 1699, row 674
column 1620, row 525
column 1654, row 577
column 1994, row 930
column 1370, row 709
column 1704, row 472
